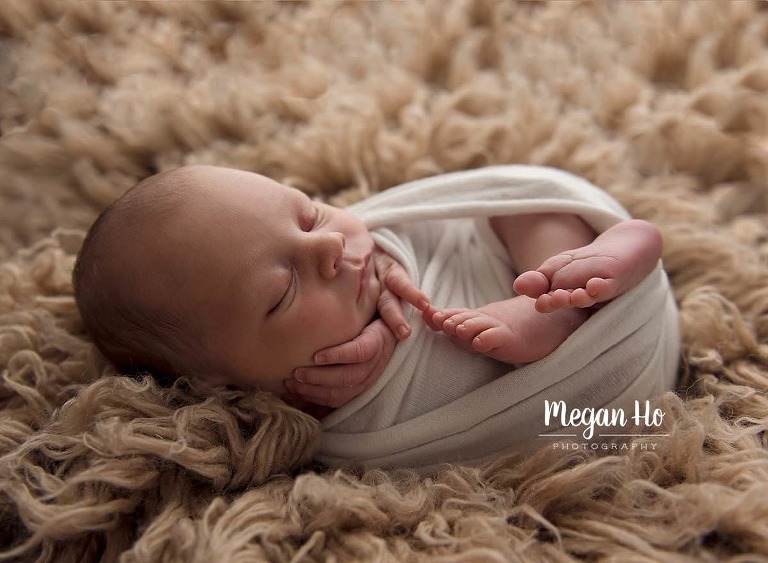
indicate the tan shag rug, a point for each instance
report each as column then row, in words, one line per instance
column 664, row 104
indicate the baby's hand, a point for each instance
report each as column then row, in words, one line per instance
column 471, row 329
column 396, row 285
column 344, row 371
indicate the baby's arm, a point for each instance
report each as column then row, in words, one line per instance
column 575, row 271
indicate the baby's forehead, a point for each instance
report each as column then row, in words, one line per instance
column 221, row 182
column 204, row 197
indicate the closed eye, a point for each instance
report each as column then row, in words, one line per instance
column 284, row 297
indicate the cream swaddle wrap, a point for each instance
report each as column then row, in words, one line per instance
column 436, row 403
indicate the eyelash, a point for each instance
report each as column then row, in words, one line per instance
column 283, row 297
column 292, row 281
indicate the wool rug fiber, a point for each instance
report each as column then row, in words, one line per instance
column 663, row 104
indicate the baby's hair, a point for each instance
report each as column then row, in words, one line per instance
column 134, row 333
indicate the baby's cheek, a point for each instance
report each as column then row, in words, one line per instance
column 328, row 324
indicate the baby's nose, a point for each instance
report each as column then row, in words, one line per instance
column 330, row 253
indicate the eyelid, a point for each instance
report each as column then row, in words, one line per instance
column 307, row 221
column 316, row 215
column 293, row 284
column 283, row 297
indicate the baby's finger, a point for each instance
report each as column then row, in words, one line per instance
column 400, row 284
column 361, row 349
column 330, row 396
column 336, row 375
column 396, row 279
column 391, row 312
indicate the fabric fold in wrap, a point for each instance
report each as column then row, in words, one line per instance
column 435, row 403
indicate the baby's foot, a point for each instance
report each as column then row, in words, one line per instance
column 509, row 331
column 474, row 329
column 615, row 262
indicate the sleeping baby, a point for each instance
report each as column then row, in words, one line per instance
column 529, row 284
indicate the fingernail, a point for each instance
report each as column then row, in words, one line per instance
column 402, row 330
column 439, row 315
column 450, row 322
column 422, row 305
column 299, row 375
column 321, row 359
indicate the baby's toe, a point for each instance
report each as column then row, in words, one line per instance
column 434, row 317
column 580, row 298
column 531, row 283
column 489, row 340
column 544, row 304
column 452, row 323
column 449, row 326
column 473, row 326
column 467, row 330
column 561, row 298
column 601, row 289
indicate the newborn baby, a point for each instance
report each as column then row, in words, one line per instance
column 228, row 275
column 233, row 279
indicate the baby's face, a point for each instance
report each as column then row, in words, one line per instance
column 279, row 276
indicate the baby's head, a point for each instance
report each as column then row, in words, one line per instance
column 223, row 274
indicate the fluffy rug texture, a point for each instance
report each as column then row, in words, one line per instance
column 664, row 104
